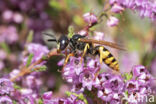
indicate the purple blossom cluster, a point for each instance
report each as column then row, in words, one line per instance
column 31, row 13
column 6, row 87
column 31, row 84
column 36, row 50
column 8, row 34
column 72, row 99
column 83, row 75
column 10, row 93
column 109, row 87
column 146, row 8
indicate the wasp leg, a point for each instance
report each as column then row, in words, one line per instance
column 84, row 52
column 67, row 58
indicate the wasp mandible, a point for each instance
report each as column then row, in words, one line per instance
column 82, row 43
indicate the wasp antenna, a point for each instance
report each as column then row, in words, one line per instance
column 52, row 40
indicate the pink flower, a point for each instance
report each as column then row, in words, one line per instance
column 117, row 8
column 17, row 17
column 7, row 15
column 47, row 95
column 90, row 18
column 112, row 21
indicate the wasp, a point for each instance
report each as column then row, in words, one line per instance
column 87, row 46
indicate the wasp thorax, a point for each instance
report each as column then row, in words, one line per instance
column 62, row 42
column 75, row 38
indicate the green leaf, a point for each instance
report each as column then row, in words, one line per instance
column 30, row 37
column 30, row 57
column 14, row 102
column 17, row 87
column 127, row 76
column 70, row 31
column 78, row 20
column 5, row 47
column 43, row 68
column 44, row 57
column 39, row 68
column 68, row 93
column 40, row 101
column 79, row 96
column 126, row 92
column 55, row 4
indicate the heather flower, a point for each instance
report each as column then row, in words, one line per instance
column 90, row 18
column 144, row 79
column 8, row 34
column 14, row 73
column 17, row 17
column 37, row 50
column 47, row 95
column 74, row 68
column 101, row 79
column 105, row 94
column 116, row 84
column 7, row 15
column 25, row 91
column 69, row 74
column 138, row 70
column 11, row 34
column 27, row 96
column 146, row 8
column 145, row 90
column 6, row 86
column 78, row 64
column 116, row 99
column 132, row 86
column 112, row 21
column 110, row 87
column 116, row 8
column 47, row 99
column 5, row 100
column 32, row 82
column 78, row 88
column 87, row 79
column 93, row 65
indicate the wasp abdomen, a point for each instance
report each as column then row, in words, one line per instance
column 107, row 57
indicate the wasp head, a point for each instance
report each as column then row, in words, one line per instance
column 62, row 43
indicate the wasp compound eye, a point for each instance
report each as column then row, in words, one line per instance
column 63, row 42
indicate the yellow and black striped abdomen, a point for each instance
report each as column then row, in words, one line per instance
column 107, row 58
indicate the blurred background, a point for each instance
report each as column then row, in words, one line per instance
column 19, row 17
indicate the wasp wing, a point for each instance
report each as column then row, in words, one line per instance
column 102, row 42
